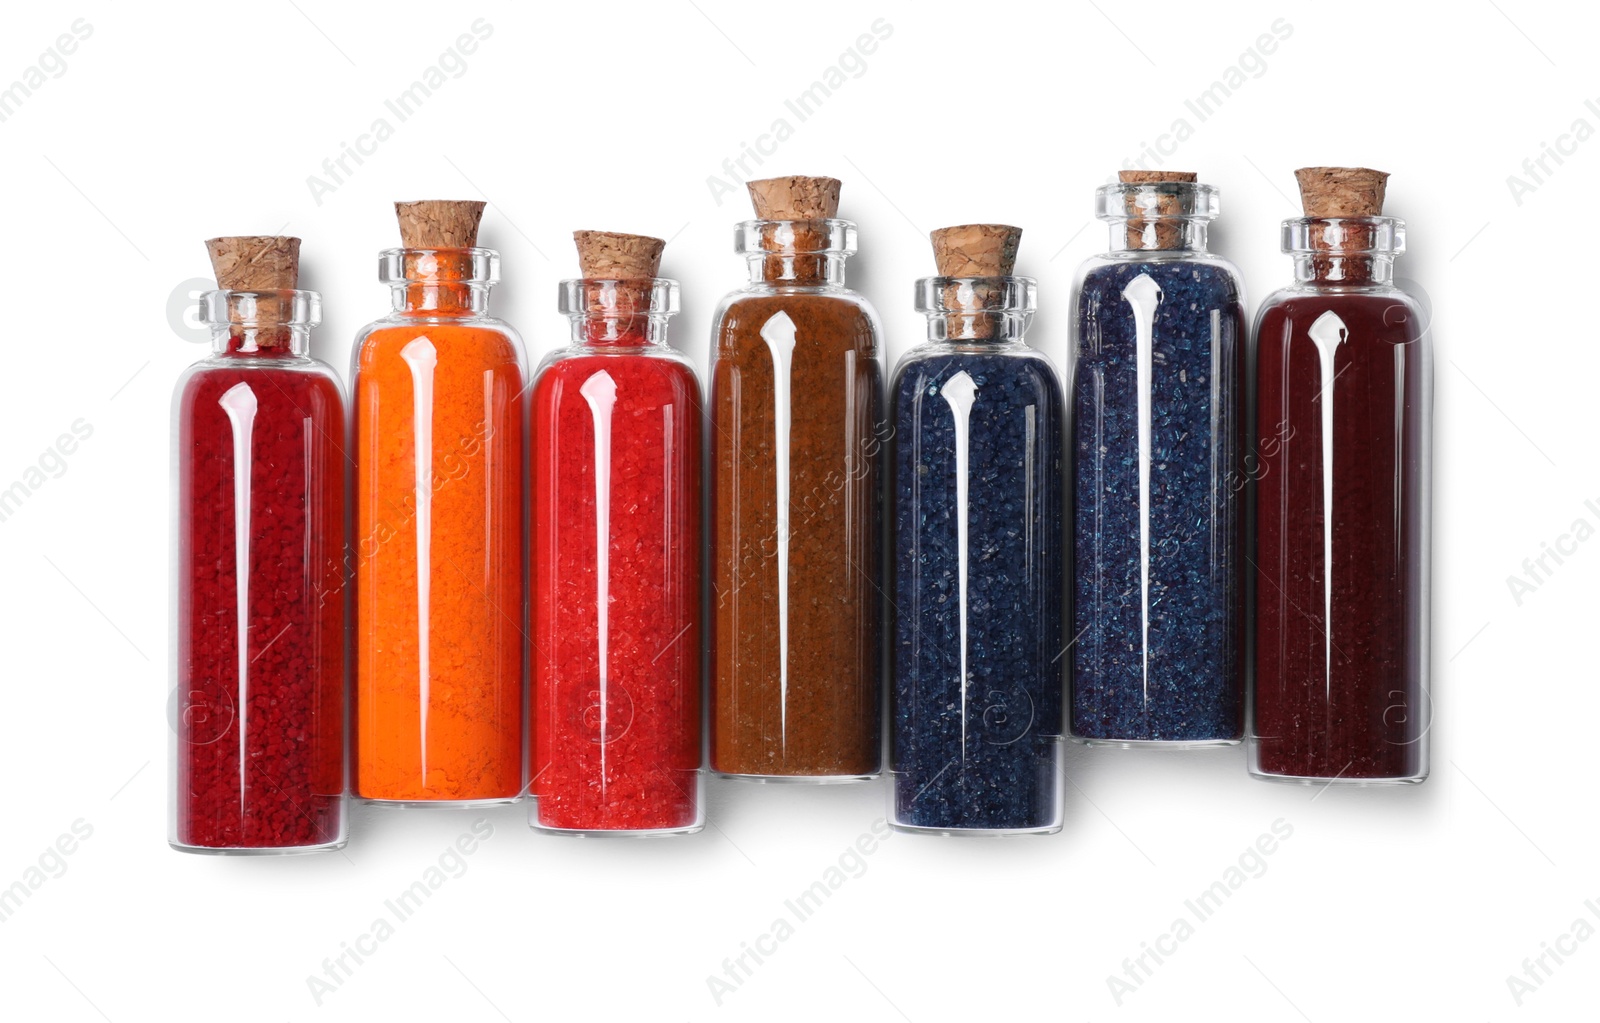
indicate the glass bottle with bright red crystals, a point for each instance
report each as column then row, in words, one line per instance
column 259, row 618
column 616, row 556
column 1343, row 424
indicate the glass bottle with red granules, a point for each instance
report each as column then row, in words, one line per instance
column 1343, row 423
column 616, row 556
column 259, row 617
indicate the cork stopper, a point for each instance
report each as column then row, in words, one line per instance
column 973, row 309
column 795, row 198
column 439, row 223
column 1148, row 228
column 1155, row 177
column 255, row 262
column 607, row 255
column 1341, row 191
column 976, row 250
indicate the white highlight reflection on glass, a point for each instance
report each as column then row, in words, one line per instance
column 960, row 393
column 600, row 391
column 422, row 357
column 1327, row 332
column 490, row 492
column 239, row 402
column 1399, row 453
column 779, row 334
column 1144, row 295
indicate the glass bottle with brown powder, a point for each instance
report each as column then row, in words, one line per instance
column 797, row 432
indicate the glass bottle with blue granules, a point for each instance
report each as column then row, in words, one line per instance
column 1158, row 478
column 978, row 546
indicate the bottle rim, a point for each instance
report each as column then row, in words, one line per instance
column 1157, row 200
column 271, row 307
column 470, row 266
column 607, row 298
column 827, row 237
column 944, row 296
column 1381, row 236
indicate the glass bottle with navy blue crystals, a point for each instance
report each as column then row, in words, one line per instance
column 1158, row 477
column 976, row 697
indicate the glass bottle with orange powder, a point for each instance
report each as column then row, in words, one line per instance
column 439, row 533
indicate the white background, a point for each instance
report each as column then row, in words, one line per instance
column 207, row 119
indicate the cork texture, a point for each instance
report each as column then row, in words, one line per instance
column 608, row 255
column 795, row 198
column 1144, row 177
column 255, row 262
column 1342, row 191
column 439, row 223
column 976, row 250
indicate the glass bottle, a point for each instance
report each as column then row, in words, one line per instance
column 616, row 675
column 975, row 697
column 440, row 507
column 1157, row 491
column 259, row 466
column 796, row 392
column 1343, row 416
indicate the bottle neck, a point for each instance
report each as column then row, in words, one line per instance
column 1157, row 216
column 266, row 340
column 1159, row 234
column 619, row 315
column 796, row 253
column 1348, row 269
column 798, row 269
column 977, row 311
column 439, row 298
column 1344, row 251
column 261, row 324
column 439, row 282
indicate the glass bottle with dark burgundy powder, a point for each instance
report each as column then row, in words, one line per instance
column 796, row 442
column 616, row 556
column 1343, row 394
column 975, row 697
column 1157, row 491
column 259, row 618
